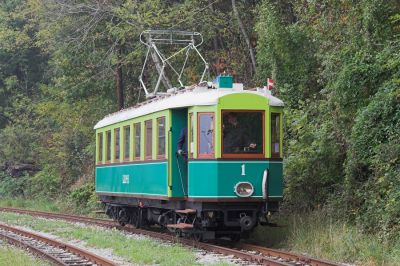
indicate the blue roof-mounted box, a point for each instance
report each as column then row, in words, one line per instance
column 225, row 82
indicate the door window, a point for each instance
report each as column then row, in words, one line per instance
column 205, row 134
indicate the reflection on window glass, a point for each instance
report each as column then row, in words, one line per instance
column 137, row 141
column 242, row 132
column 117, row 143
column 100, row 145
column 148, row 138
column 206, row 134
column 108, row 145
column 275, row 135
column 161, row 136
column 127, row 140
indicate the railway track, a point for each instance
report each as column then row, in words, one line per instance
column 252, row 253
column 56, row 252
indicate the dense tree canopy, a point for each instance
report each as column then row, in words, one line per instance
column 65, row 64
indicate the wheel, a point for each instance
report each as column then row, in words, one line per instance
column 178, row 232
column 198, row 236
column 136, row 217
column 235, row 237
column 123, row 217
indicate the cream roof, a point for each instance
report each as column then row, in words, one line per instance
column 198, row 97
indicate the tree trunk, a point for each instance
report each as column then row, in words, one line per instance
column 215, row 39
column 119, row 85
column 245, row 36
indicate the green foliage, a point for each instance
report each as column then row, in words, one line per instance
column 83, row 195
column 336, row 65
column 373, row 162
column 46, row 184
column 13, row 256
column 12, row 186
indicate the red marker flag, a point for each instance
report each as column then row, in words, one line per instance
column 270, row 83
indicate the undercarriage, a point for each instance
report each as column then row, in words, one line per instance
column 201, row 220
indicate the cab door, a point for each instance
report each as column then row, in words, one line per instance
column 178, row 173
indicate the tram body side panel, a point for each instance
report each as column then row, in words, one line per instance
column 217, row 179
column 148, row 179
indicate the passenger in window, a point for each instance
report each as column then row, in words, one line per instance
column 182, row 143
column 236, row 137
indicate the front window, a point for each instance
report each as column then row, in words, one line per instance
column 206, row 135
column 275, row 135
column 242, row 133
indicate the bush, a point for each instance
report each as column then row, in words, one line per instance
column 83, row 195
column 13, row 186
column 46, row 184
column 373, row 163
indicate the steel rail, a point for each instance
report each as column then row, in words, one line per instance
column 90, row 257
column 288, row 255
column 248, row 252
column 16, row 242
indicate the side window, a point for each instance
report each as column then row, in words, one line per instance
column 100, row 147
column 275, row 135
column 108, row 146
column 205, row 134
column 117, row 144
column 127, row 142
column 191, row 134
column 148, row 138
column 161, row 137
column 137, row 141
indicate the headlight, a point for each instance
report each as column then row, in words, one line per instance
column 244, row 189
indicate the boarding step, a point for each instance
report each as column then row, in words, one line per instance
column 180, row 226
column 186, row 211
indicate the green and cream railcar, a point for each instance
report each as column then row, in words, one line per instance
column 232, row 174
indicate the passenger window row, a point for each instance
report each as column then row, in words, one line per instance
column 131, row 142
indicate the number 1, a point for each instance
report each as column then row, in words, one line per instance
column 243, row 169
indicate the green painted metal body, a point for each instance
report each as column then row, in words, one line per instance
column 217, row 179
column 212, row 178
column 178, row 174
column 140, row 178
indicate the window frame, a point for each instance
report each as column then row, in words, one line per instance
column 100, row 147
column 108, row 146
column 190, row 135
column 243, row 155
column 115, row 144
column 205, row 155
column 148, row 157
column 137, row 125
column 126, row 158
column 161, row 156
column 276, row 154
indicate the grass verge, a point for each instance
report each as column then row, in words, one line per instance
column 140, row 251
column 16, row 257
column 60, row 206
column 321, row 236
column 37, row 204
